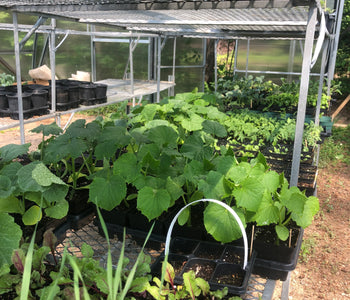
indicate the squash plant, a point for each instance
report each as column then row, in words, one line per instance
column 262, row 196
column 28, row 190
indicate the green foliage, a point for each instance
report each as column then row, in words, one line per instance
column 6, row 79
column 336, row 148
column 192, row 288
column 9, row 238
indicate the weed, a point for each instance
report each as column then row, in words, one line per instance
column 327, row 205
column 307, row 249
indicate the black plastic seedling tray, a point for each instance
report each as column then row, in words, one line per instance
column 220, row 265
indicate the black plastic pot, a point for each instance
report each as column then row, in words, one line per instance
column 13, row 101
column 73, row 93
column 62, row 95
column 3, row 100
column 275, row 261
column 87, row 91
column 39, row 98
column 101, row 90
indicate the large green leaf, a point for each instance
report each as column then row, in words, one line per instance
column 224, row 163
column 106, row 149
column 11, row 151
column 311, row 207
column 63, row 147
column 163, row 135
column 267, row 213
column 59, row 210
column 214, row 128
column 152, row 202
column 107, row 193
column 271, row 180
column 149, row 111
column 148, row 149
column 174, row 189
column 127, row 167
column 55, row 193
column 249, row 194
column 157, row 122
column 193, row 123
column 194, row 148
column 194, row 170
column 76, row 129
column 237, row 173
column 214, row 186
column 25, row 179
column 46, row 130
column 11, row 170
column 215, row 114
column 10, row 205
column 118, row 134
column 6, row 187
column 9, row 238
column 220, row 223
column 42, row 175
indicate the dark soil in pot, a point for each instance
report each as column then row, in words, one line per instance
column 229, row 274
column 13, row 101
column 183, row 246
column 177, row 261
column 210, row 251
column 269, row 247
column 201, row 267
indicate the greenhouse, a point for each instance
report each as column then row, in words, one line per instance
column 204, row 172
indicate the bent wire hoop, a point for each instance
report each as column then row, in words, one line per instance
column 233, row 213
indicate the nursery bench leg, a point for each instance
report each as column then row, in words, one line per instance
column 268, row 290
column 285, row 288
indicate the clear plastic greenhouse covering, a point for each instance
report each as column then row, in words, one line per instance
column 219, row 19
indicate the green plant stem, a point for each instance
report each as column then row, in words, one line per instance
column 287, row 220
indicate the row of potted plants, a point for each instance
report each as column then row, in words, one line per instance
column 257, row 93
column 161, row 158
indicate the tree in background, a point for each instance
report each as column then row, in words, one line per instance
column 342, row 67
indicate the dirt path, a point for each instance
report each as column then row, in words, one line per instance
column 323, row 270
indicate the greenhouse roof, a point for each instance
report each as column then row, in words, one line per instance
column 220, row 19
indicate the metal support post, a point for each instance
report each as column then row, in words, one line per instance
column 93, row 52
column 158, row 67
column 247, row 58
column 18, row 77
column 131, row 60
column 174, row 60
column 216, row 64
column 304, row 86
column 204, row 52
column 333, row 55
column 291, row 59
column 321, row 82
column 235, row 61
column 52, row 49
